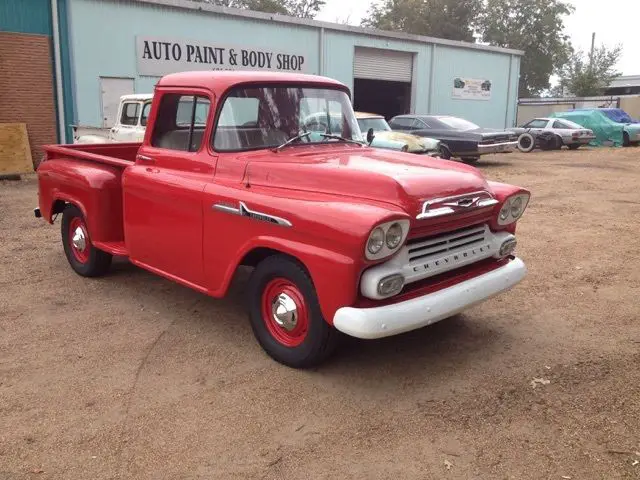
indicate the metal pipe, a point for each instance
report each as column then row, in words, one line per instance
column 62, row 130
column 506, row 110
column 432, row 76
column 321, row 52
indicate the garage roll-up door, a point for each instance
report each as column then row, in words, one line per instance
column 378, row 64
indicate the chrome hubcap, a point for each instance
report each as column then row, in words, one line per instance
column 79, row 241
column 285, row 312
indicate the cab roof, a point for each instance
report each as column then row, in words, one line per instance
column 140, row 97
column 220, row 81
column 368, row 115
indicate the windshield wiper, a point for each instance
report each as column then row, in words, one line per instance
column 338, row 137
column 300, row 136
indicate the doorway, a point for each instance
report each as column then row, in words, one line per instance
column 382, row 97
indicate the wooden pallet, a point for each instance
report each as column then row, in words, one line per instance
column 15, row 151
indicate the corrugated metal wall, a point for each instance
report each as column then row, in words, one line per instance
column 103, row 43
column 25, row 16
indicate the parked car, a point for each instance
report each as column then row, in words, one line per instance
column 130, row 125
column 462, row 139
column 384, row 137
column 381, row 136
column 562, row 132
column 342, row 237
column 606, row 130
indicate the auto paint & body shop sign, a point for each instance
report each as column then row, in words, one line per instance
column 471, row 88
column 157, row 56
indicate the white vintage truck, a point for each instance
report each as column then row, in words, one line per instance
column 130, row 125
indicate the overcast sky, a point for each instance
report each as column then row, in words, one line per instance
column 614, row 21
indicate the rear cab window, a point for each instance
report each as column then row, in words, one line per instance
column 181, row 121
column 129, row 115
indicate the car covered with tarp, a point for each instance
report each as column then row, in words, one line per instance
column 607, row 130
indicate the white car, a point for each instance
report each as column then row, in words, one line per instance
column 556, row 133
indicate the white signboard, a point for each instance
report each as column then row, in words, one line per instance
column 158, row 56
column 471, row 88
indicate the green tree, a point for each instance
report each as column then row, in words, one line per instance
column 585, row 76
column 534, row 26
column 293, row 8
column 451, row 19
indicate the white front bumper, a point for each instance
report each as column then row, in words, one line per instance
column 378, row 322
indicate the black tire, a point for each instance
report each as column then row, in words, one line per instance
column 557, row 142
column 319, row 340
column 470, row 160
column 526, row 142
column 626, row 141
column 445, row 153
column 574, row 146
column 90, row 262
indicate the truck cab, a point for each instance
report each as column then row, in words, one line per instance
column 343, row 239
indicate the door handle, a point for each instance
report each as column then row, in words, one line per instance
column 145, row 159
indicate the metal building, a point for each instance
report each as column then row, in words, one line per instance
column 109, row 48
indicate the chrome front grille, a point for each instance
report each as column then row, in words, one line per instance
column 422, row 249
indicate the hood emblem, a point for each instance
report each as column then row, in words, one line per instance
column 439, row 207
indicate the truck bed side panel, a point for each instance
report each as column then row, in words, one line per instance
column 93, row 187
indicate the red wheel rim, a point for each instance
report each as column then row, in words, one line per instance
column 79, row 240
column 285, row 312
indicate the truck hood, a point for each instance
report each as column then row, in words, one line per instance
column 403, row 179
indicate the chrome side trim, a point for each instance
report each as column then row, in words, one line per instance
column 245, row 211
column 454, row 203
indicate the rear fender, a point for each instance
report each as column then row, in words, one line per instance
column 95, row 189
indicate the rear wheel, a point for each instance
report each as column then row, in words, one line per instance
column 84, row 258
column 285, row 314
column 574, row 146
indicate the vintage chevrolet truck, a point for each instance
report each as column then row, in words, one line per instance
column 343, row 238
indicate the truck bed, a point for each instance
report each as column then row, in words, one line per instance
column 114, row 154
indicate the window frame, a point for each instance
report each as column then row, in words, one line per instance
column 412, row 120
column 528, row 124
column 186, row 92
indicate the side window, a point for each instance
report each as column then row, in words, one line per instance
column 130, row 113
column 404, row 123
column 559, row 124
column 320, row 115
column 419, row 124
column 180, row 122
column 145, row 114
column 536, row 124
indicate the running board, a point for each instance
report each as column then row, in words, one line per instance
column 114, row 248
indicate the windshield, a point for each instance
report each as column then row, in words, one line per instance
column 619, row 116
column 458, row 123
column 378, row 124
column 253, row 118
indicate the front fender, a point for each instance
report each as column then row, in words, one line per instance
column 335, row 276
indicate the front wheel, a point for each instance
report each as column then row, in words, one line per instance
column 470, row 160
column 626, row 141
column 285, row 314
column 445, row 153
column 84, row 258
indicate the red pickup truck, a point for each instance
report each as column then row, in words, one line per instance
column 237, row 168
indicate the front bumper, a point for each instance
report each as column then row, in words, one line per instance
column 503, row 147
column 388, row 320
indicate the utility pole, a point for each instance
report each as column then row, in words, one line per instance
column 593, row 44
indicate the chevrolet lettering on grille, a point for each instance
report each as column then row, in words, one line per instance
column 451, row 260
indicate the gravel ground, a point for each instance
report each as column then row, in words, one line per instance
column 132, row 376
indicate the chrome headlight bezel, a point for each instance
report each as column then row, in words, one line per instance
column 386, row 250
column 513, row 208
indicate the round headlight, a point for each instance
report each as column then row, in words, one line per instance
column 394, row 236
column 376, row 241
column 504, row 211
column 516, row 207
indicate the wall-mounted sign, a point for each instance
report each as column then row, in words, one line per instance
column 157, row 56
column 471, row 88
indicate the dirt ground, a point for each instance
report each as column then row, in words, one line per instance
column 131, row 376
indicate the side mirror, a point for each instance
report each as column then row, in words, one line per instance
column 370, row 136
